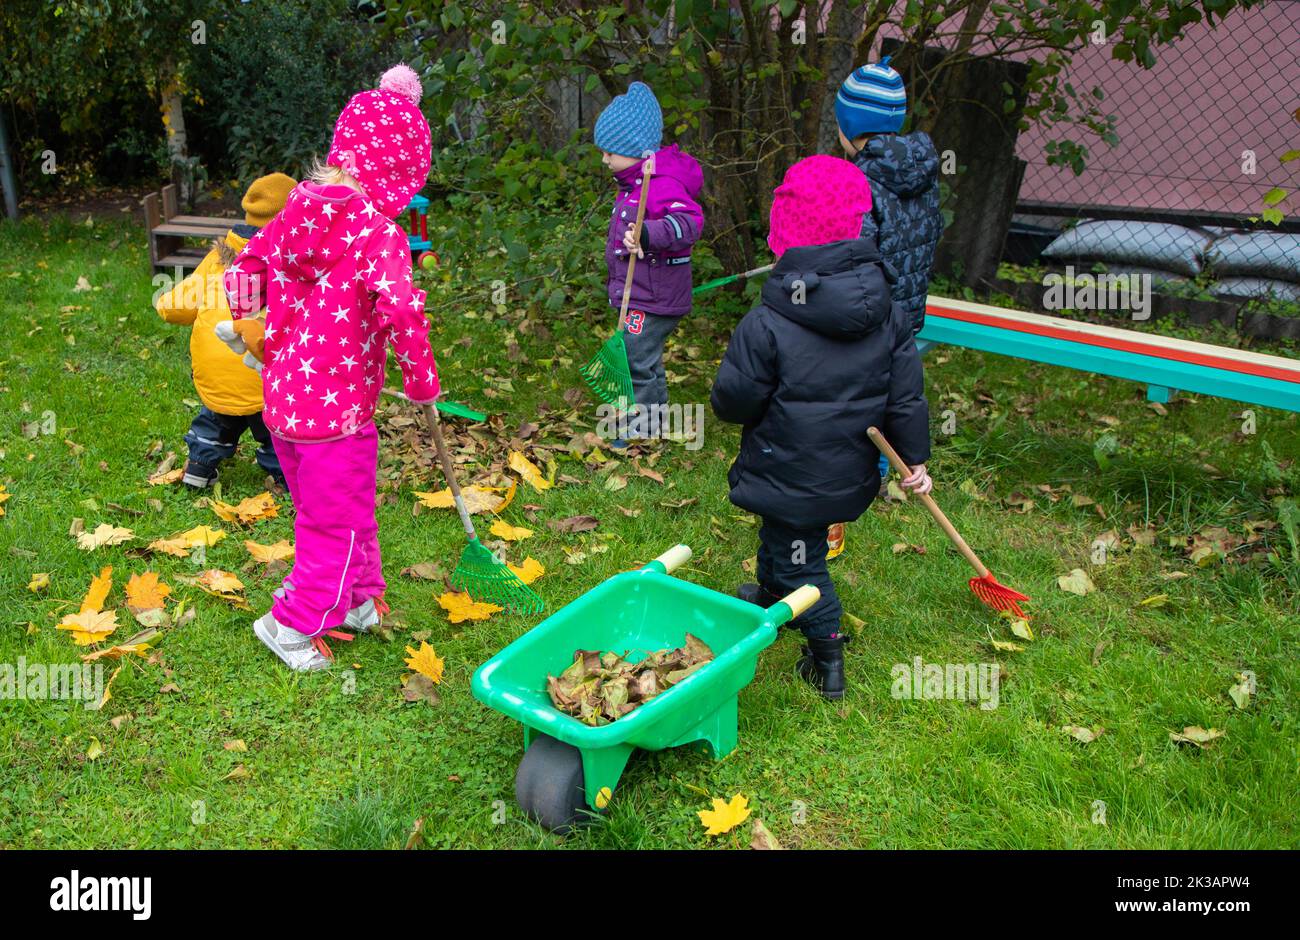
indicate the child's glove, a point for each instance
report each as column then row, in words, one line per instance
column 245, row 338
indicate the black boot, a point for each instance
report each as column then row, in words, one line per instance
column 749, row 593
column 822, row 665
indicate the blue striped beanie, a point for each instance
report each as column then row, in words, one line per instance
column 631, row 124
column 872, row 100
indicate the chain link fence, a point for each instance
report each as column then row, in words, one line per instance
column 1194, row 191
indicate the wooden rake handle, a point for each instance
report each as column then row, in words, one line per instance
column 647, row 167
column 448, row 471
column 948, row 529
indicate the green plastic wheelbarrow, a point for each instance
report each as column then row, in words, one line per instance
column 570, row 768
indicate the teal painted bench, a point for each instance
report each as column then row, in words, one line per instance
column 1162, row 363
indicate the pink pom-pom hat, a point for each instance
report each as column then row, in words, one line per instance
column 382, row 139
column 821, row 200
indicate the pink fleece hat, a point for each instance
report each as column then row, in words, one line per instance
column 382, row 139
column 822, row 199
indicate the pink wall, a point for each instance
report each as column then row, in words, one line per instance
column 1183, row 124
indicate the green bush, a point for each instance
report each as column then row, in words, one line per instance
column 273, row 76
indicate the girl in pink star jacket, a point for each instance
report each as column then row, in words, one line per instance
column 334, row 273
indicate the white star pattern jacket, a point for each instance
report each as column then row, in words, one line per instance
column 335, row 277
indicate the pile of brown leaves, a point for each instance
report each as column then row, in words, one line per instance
column 603, row 687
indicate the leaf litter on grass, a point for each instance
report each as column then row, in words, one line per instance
column 602, row 687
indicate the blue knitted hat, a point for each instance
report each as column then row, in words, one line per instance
column 631, row 124
column 872, row 100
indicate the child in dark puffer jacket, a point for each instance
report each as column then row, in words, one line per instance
column 629, row 132
column 903, row 169
column 825, row 355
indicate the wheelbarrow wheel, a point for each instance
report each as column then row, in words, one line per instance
column 549, row 784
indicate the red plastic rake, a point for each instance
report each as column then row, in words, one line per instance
column 985, row 586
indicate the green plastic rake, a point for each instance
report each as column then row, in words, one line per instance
column 731, row 278
column 480, row 573
column 608, row 374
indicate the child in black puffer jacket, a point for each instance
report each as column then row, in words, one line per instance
column 824, row 356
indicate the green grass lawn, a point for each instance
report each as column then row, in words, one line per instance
column 326, row 768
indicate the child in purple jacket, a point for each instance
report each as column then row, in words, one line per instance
column 629, row 132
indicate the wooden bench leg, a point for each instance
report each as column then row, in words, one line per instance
column 1159, row 393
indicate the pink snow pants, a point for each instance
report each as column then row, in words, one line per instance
column 336, row 564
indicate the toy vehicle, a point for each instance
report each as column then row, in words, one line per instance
column 570, row 768
column 421, row 247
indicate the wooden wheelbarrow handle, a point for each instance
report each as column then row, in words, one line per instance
column 953, row 535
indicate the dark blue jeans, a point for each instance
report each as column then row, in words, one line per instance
column 212, row 438
column 789, row 558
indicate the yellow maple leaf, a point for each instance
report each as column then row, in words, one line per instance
column 104, row 534
column 724, row 816
column 461, row 607
column 529, row 471
column 97, row 593
column 39, row 582
column 478, row 499
column 511, row 533
column 220, row 582
column 4, row 498
column 249, row 510
column 145, row 592
column 280, row 551
column 117, row 652
column 529, row 571
column 426, row 662
column 167, row 477
column 89, row 626
column 180, row 545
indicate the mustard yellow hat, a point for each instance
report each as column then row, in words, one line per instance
column 265, row 198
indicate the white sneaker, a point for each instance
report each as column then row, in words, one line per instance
column 360, row 619
column 296, row 650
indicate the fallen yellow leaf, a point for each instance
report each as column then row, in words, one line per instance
column 167, row 477
column 104, row 534
column 4, row 498
column 176, row 547
column 250, row 510
column 201, row 535
column 39, row 582
column 528, row 471
column 724, row 816
column 108, row 694
column 137, row 645
column 1076, row 582
column 97, row 593
column 280, row 551
column 145, row 592
column 89, row 626
column 478, row 499
column 220, row 584
column 511, row 533
column 529, row 571
column 426, row 662
column 461, row 607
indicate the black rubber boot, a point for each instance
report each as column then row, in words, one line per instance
column 822, row 665
column 749, row 593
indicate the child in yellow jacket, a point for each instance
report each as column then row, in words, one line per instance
column 231, row 392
